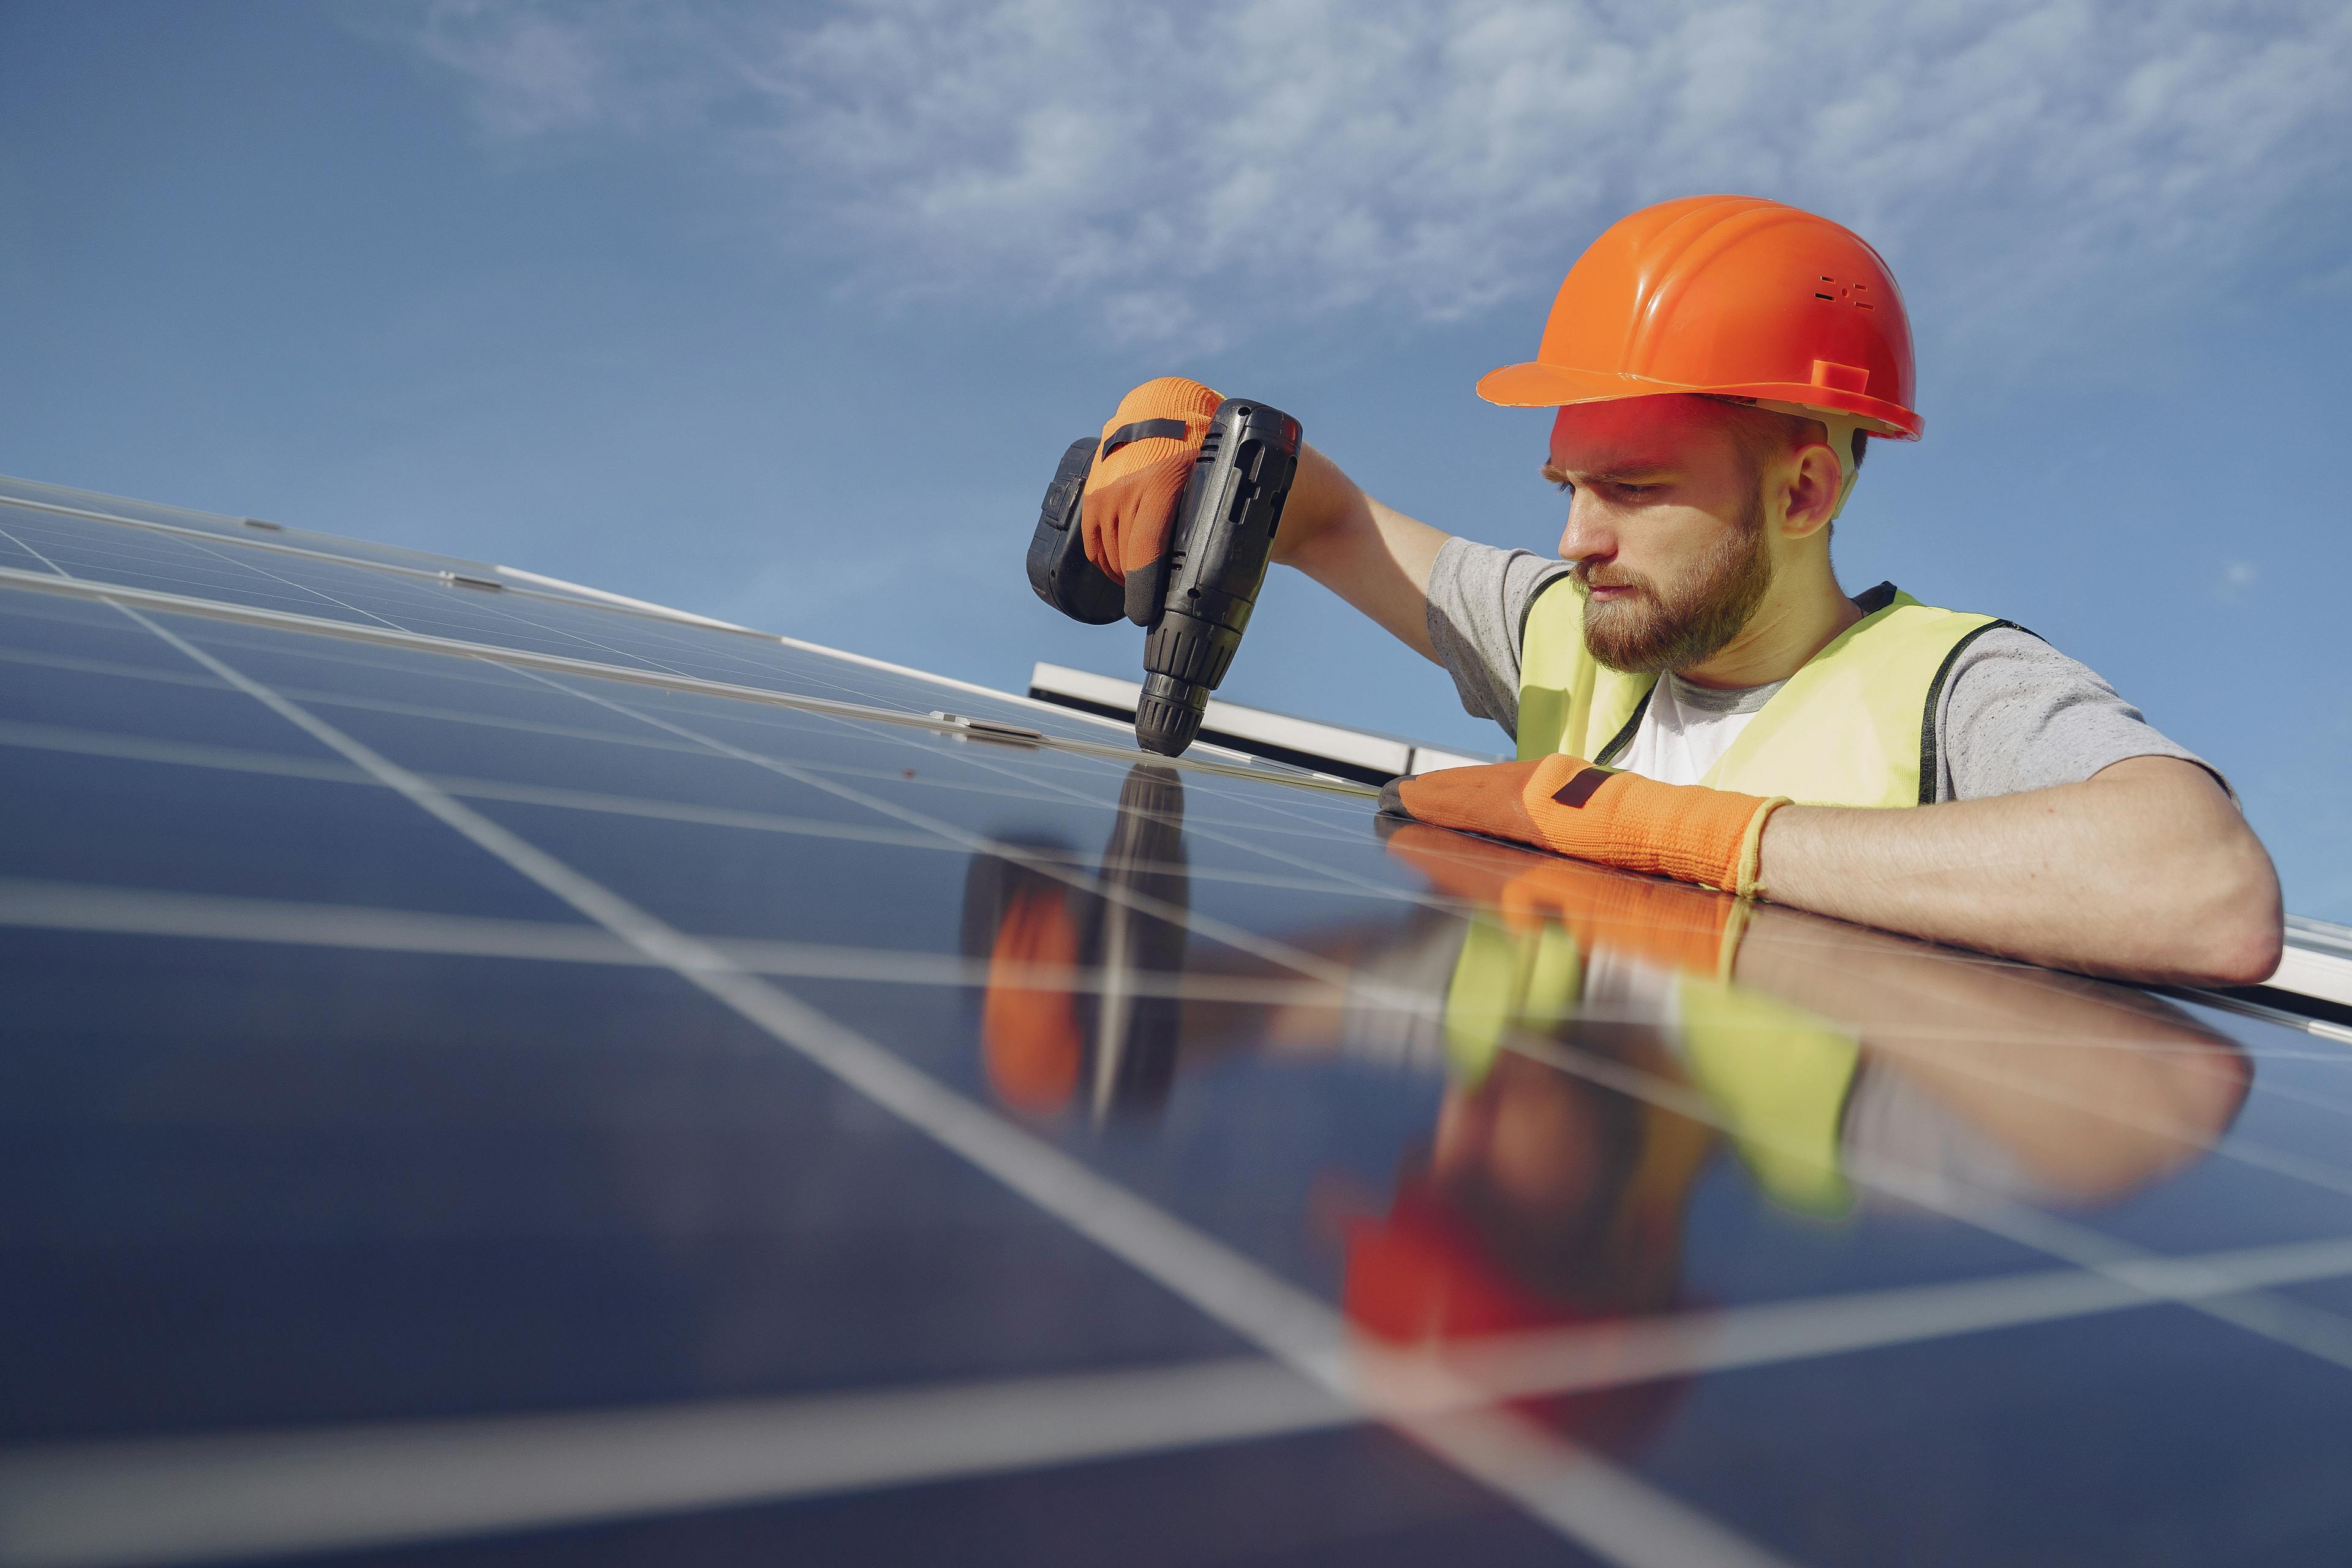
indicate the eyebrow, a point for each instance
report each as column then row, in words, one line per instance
column 1619, row 475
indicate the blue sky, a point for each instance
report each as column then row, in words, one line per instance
column 783, row 313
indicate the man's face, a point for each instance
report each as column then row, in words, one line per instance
column 1667, row 526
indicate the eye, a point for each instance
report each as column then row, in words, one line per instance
column 1563, row 487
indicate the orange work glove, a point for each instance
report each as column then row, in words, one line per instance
column 1688, row 832
column 1128, row 508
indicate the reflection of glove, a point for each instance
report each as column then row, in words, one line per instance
column 1565, row 805
column 1076, row 990
column 1668, row 926
column 1138, row 474
column 1677, row 928
column 1029, row 1037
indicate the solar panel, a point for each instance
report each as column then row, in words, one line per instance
column 496, row 1074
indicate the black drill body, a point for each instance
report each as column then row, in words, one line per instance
column 1195, row 603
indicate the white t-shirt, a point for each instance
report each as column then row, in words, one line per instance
column 1686, row 729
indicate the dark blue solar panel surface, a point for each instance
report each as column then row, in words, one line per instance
column 459, row 1109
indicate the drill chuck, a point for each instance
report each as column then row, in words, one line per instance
column 1168, row 714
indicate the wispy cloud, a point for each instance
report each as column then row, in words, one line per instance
column 2237, row 579
column 1160, row 164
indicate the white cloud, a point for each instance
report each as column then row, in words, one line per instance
column 2237, row 580
column 1165, row 165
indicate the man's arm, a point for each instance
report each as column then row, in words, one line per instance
column 1373, row 556
column 2144, row 871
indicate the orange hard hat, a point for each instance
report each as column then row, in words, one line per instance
column 1727, row 297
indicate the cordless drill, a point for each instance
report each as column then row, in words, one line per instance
column 1196, row 602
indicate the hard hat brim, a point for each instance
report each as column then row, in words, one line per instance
column 1535, row 385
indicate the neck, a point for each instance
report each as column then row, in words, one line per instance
column 1802, row 613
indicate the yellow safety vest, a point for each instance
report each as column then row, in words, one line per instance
column 1857, row 726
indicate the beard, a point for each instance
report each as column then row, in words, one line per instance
column 1649, row 632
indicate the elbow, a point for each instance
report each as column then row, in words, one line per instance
column 2236, row 927
column 2246, row 955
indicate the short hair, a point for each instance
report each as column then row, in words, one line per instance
column 1763, row 433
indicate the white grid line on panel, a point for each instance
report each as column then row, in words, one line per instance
column 339, row 1490
column 765, row 715
column 1199, row 822
column 180, row 753
column 318, row 1489
column 229, row 527
column 181, row 532
column 2321, row 1334
column 1519, row 1366
column 309, row 588
column 2286, row 1165
column 2316, row 1334
column 524, row 659
column 223, row 757
column 572, row 595
column 425, row 607
column 1572, row 1489
column 33, row 904
column 1365, row 885
column 2290, row 1166
column 317, row 697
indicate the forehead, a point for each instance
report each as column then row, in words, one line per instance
column 1638, row 433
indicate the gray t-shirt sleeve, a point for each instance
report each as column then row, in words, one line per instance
column 1478, row 597
column 2017, row 714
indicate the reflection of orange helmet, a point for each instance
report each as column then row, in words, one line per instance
column 1423, row 1279
column 1728, row 297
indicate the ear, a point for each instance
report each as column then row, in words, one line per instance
column 1814, row 489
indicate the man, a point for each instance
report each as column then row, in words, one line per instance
column 1719, row 363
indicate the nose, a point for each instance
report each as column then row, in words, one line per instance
column 1588, row 535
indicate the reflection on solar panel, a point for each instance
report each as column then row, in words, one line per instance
column 498, row 1075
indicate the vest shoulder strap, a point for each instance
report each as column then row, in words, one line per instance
column 1568, row 701
column 1857, row 726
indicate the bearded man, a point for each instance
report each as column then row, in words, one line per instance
column 1692, row 692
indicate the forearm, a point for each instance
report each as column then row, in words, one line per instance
column 1373, row 556
column 2144, row 871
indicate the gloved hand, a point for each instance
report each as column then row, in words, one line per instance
column 1688, row 832
column 1128, row 508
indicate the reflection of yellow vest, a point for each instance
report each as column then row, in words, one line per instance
column 1857, row 726
column 1778, row 1077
